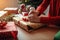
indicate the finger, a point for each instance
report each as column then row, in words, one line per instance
column 31, row 12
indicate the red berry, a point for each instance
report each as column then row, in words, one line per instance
column 4, row 23
column 24, row 19
column 26, row 14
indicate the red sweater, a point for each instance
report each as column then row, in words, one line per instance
column 54, row 12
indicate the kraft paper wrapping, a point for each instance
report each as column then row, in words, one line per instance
column 28, row 26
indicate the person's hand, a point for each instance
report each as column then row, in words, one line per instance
column 34, row 13
column 34, row 18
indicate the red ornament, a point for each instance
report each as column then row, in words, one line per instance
column 2, row 24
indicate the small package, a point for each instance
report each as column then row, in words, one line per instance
column 11, row 10
column 28, row 26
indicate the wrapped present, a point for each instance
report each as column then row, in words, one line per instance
column 24, row 23
column 10, row 32
column 28, row 26
column 11, row 10
column 9, row 17
column 4, row 15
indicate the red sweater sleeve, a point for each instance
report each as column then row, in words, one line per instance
column 43, row 6
column 50, row 20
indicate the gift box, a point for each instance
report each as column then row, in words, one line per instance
column 26, row 25
column 4, row 15
column 29, row 26
column 11, row 10
column 9, row 33
column 9, row 17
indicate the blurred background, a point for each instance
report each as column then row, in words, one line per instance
column 8, row 3
column 15, row 3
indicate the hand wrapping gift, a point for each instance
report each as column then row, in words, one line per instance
column 33, row 16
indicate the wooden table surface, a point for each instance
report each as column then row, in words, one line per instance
column 44, row 33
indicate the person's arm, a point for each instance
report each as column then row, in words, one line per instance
column 50, row 20
column 41, row 8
